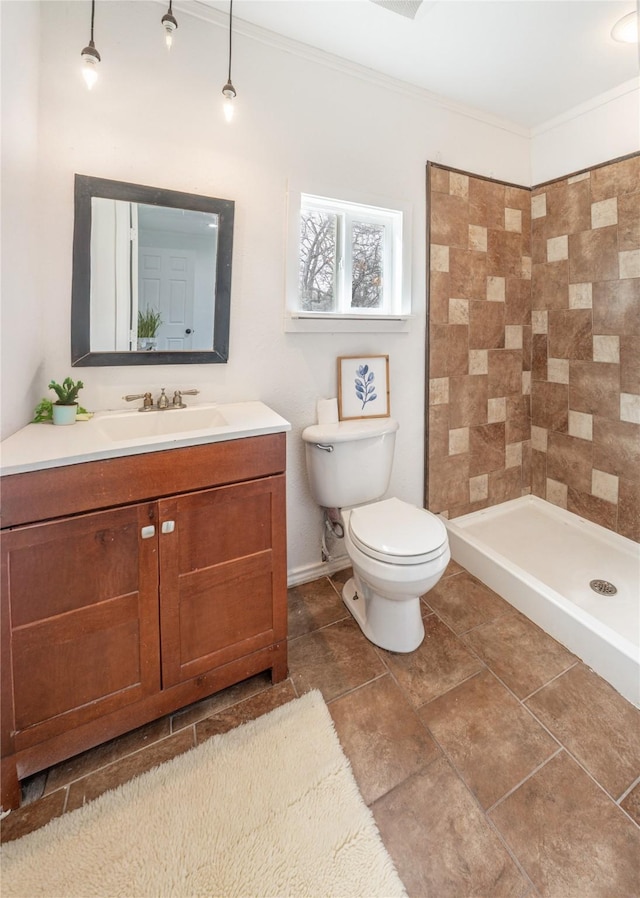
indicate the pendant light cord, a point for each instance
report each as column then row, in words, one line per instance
column 230, row 18
column 93, row 15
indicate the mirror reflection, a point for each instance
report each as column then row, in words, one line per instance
column 151, row 275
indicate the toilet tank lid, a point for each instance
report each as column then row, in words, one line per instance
column 347, row 431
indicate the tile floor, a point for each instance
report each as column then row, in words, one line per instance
column 495, row 763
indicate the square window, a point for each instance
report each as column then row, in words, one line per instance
column 351, row 262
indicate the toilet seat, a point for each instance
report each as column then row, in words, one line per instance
column 396, row 532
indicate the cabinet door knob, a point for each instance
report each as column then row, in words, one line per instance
column 168, row 526
column 148, row 532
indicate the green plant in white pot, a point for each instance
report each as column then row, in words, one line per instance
column 148, row 323
column 66, row 405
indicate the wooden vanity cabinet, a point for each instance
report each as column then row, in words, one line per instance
column 132, row 587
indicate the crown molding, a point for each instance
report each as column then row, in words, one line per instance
column 201, row 10
column 603, row 99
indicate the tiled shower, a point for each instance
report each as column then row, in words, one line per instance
column 534, row 343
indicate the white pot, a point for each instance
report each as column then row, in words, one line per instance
column 64, row 414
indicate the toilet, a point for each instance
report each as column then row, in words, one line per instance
column 398, row 551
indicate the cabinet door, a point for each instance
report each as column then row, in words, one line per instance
column 80, row 620
column 222, row 576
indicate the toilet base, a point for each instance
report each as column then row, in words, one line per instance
column 392, row 625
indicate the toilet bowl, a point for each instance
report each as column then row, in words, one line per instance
column 398, row 552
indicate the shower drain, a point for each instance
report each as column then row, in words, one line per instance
column 603, row 587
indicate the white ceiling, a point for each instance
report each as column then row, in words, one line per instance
column 527, row 61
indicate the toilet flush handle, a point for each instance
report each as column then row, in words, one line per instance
column 325, row 448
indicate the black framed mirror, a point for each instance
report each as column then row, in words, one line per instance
column 151, row 275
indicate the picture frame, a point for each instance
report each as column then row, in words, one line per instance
column 363, row 387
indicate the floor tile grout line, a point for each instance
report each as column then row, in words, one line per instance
column 347, row 616
column 533, row 772
column 353, row 689
column 628, row 791
column 553, row 679
column 124, row 757
column 485, row 812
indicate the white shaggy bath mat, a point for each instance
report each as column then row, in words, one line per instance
column 268, row 809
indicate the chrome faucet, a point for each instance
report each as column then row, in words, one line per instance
column 163, row 403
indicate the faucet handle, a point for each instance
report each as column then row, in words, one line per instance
column 146, row 397
column 178, row 394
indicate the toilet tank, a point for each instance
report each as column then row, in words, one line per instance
column 349, row 463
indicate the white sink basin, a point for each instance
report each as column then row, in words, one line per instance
column 111, row 434
column 133, row 425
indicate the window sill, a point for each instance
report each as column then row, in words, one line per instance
column 326, row 324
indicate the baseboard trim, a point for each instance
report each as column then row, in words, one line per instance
column 309, row 572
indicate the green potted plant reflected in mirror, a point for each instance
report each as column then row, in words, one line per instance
column 66, row 405
column 148, row 323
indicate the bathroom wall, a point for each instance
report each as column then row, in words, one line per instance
column 586, row 344
column 479, row 352
column 155, row 118
column 21, row 335
column 606, row 127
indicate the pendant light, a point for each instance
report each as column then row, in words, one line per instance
column 90, row 56
column 169, row 24
column 229, row 91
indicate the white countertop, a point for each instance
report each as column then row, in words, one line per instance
column 39, row 446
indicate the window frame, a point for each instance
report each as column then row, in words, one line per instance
column 396, row 312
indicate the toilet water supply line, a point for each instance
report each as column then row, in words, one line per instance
column 333, row 525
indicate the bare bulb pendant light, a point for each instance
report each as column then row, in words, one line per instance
column 169, row 23
column 229, row 91
column 90, row 56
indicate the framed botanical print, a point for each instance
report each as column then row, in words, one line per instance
column 363, row 387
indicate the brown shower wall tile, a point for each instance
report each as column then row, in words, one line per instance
column 592, row 508
column 487, row 229
column 505, row 372
column 629, row 221
column 468, row 400
column 629, row 508
column 594, row 387
column 517, row 307
column 504, row 253
column 616, row 307
column 550, row 284
column 568, row 209
column 570, row 334
column 629, row 364
column 616, row 447
column 487, row 202
column 550, row 406
column 439, row 297
column 438, row 431
column 449, row 220
column 593, row 322
column 539, row 355
column 593, row 256
column 529, row 261
column 486, row 325
column 615, row 179
column 570, row 461
column 486, row 449
column 518, row 423
column 468, row 274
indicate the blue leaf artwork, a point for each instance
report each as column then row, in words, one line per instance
column 365, row 387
